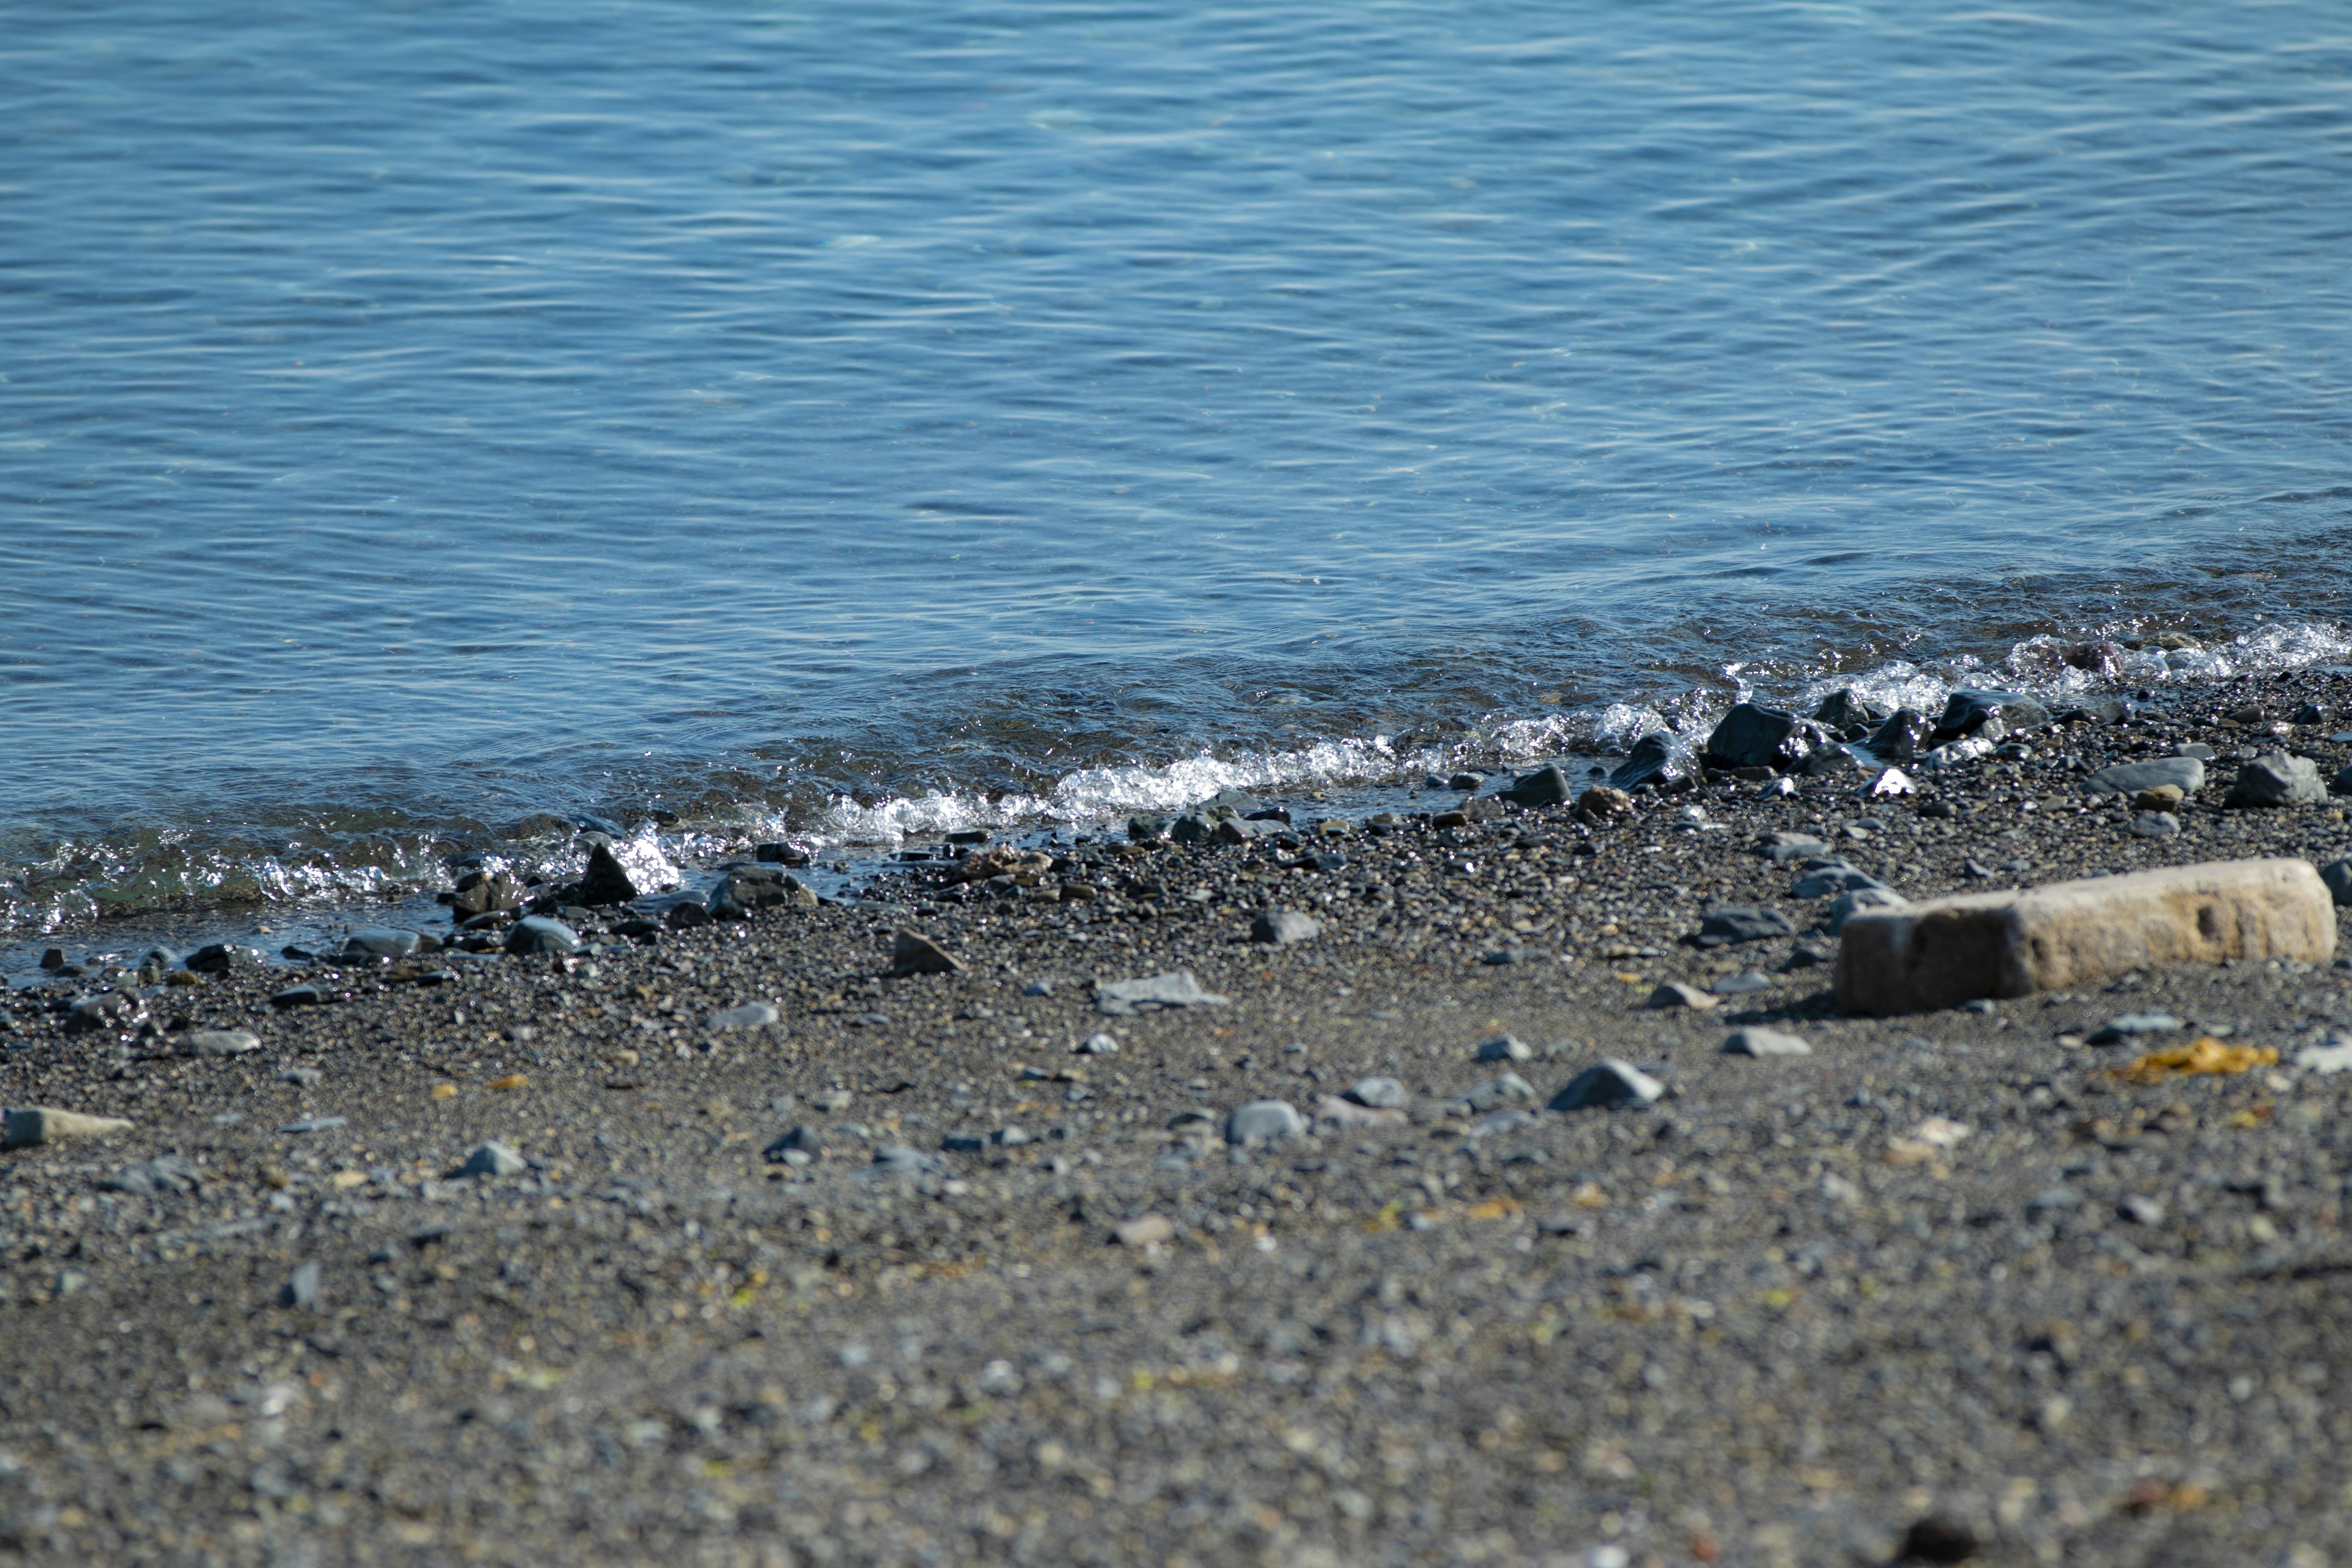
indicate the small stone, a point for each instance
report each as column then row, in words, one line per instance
column 2140, row 1210
column 905, row 1159
column 1899, row 739
column 1331, row 1111
column 1936, row 1538
column 604, row 881
column 1754, row 1042
column 1742, row 983
column 1889, row 783
column 152, row 1178
column 220, row 1042
column 1975, row 713
column 686, row 914
column 1121, row 998
column 1263, row 1122
column 1674, row 993
column 1498, row 1122
column 2336, row 875
column 1835, row 878
column 1283, row 927
column 805, row 1142
column 1504, row 1088
column 1466, row 782
column 1658, row 760
column 913, row 952
column 1730, row 923
column 539, row 934
column 1783, row 845
column 2277, row 780
column 25, row 1126
column 1604, row 803
column 1507, row 955
column 1545, row 786
column 224, row 958
column 2155, row 825
column 1504, row 1048
column 1380, row 1093
column 301, row 1077
column 1607, row 1084
column 2332, row 1054
column 305, row 1124
column 298, row 996
column 1842, row 710
column 2186, row 775
column 2131, row 1025
column 2163, row 797
column 378, row 941
column 1753, row 736
column 1143, row 1232
column 1038, row 988
column 108, row 1010
column 1097, row 1046
column 1846, row 905
column 301, row 1291
column 749, row 1015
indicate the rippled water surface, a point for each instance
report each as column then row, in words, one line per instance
column 415, row 415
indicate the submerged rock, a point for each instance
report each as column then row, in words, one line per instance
column 1752, row 736
column 1658, row 760
column 1901, row 737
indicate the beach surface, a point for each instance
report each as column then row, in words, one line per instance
column 910, row 1269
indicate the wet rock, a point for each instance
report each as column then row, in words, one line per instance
column 745, row 888
column 913, row 952
column 749, row 1015
column 1466, row 782
column 1890, row 784
column 1607, row 1084
column 1950, row 951
column 605, row 881
column 1503, row 1049
column 2109, row 711
column 1757, row 1042
column 484, row 892
column 224, row 958
column 1242, row 829
column 23, row 1126
column 2277, row 780
column 1147, row 829
column 1752, row 736
column 1192, row 828
column 539, row 934
column 379, row 941
column 1674, row 993
column 1903, row 735
column 1658, row 760
column 2337, row 875
column 1973, row 713
column 109, row 1011
column 1263, row 1122
column 1842, row 710
column 781, row 854
column 1828, row 763
column 220, row 1042
column 1545, row 786
column 1378, row 1093
column 1730, row 923
column 1121, row 998
column 1284, row 927
column 689, row 913
column 2186, row 775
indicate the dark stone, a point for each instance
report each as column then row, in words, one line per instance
column 1658, row 760
column 758, row 887
column 2338, row 875
column 1146, row 829
column 2314, row 713
column 483, row 892
column 224, row 958
column 1966, row 712
column 1545, row 786
column 112, row 1010
column 913, row 952
column 1466, row 782
column 686, row 914
column 1752, row 736
column 1271, row 813
column 1936, row 1538
column 2278, row 780
column 2113, row 711
column 298, row 996
column 1842, row 710
column 1604, row 803
column 1237, row 830
column 1192, row 828
column 605, row 881
column 1738, row 922
column 786, row 855
column 1832, row 759
column 379, row 942
column 1899, row 739
column 537, row 934
column 54, row 958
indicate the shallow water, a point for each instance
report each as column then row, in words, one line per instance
column 842, row 421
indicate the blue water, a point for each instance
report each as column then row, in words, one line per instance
column 415, row 415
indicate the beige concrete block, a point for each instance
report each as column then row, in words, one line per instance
column 1950, row 951
column 28, row 1124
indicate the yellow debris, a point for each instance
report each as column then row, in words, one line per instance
column 2206, row 1055
column 444, row 1091
column 512, row 1081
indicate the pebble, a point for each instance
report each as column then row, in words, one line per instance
column 2155, row 825
column 1848, row 905
column 905, row 1159
column 1284, row 927
column 1263, row 1122
column 1144, row 1232
column 108, row 1010
column 378, row 941
column 1657, row 759
column 491, row 1159
column 1504, row 1048
column 1380, row 1093
column 1936, row 1538
column 2131, row 1025
column 2277, row 780
column 25, row 1126
column 805, row 1143
column 1545, row 786
column 303, row 1077
column 1674, row 993
column 1835, row 878
column 2337, row 875
column 1742, row 983
column 749, row 1015
column 913, row 952
column 1731, row 923
column 163, row 1174
column 1331, row 1111
column 224, row 958
column 1754, row 736
column 314, row 1124
column 1606, row 1085
column 1756, row 1042
column 2186, row 775
column 605, row 881
column 1505, row 1088
column 1782, row 845
column 301, row 1288
column 2331, row 1055
column 1097, row 1046
column 298, row 996
column 1122, row 998
column 221, row 1042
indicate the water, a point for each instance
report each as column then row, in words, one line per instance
column 846, row 420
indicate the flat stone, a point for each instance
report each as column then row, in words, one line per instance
column 805, row 1141
column 1263, row 1122
column 2161, row 797
column 1332, row 1110
column 1378, row 1093
column 1838, row 877
column 1498, row 1122
column 1843, row 709
column 224, row 958
column 152, row 1178
column 1607, row 1084
column 1781, row 845
column 749, row 1015
column 904, row 1160
column 298, row 996
column 1969, row 712
column 2338, row 876
column 1742, row 983
column 1754, row 1042
column 1504, row 1048
column 2155, row 825
column 1500, row 956
column 1144, row 1232
column 2186, row 775
column 1674, row 993
column 25, row 1126
column 1284, row 927
column 301, row 1125
column 763, row 886
column 1176, row 988
column 1846, row 905
column 913, row 952
column 1946, row 951
column 538, row 934
column 2277, row 780
column 1731, row 923
column 2131, row 1025
column 1545, row 786
column 380, row 942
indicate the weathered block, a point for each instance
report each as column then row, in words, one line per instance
column 1950, row 951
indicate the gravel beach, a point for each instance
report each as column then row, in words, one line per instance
column 773, row 1256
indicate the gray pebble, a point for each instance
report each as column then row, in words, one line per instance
column 492, row 1159
column 1378, row 1093
column 1754, row 1042
column 301, row 1291
column 1263, row 1122
column 1504, row 1048
column 1606, row 1085
column 751, row 1015
column 1284, row 927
